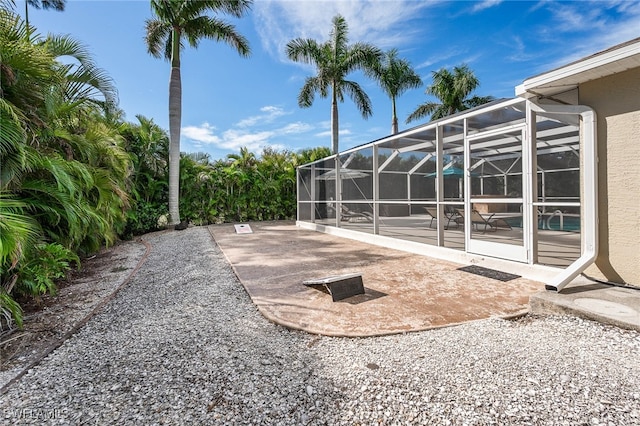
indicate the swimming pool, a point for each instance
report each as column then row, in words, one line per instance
column 551, row 221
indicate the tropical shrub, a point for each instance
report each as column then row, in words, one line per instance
column 147, row 145
column 243, row 187
column 64, row 174
column 144, row 217
column 47, row 263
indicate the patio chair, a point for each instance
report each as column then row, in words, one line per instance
column 349, row 215
column 346, row 214
column 450, row 216
column 478, row 219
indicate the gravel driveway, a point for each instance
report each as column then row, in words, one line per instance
column 183, row 344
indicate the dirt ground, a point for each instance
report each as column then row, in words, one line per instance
column 53, row 318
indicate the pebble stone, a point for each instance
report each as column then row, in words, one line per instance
column 183, row 344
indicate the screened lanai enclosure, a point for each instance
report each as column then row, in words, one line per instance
column 503, row 180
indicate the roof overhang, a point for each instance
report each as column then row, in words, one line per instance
column 602, row 64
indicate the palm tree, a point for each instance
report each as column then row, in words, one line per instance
column 395, row 76
column 334, row 60
column 453, row 90
column 245, row 160
column 8, row 5
column 43, row 4
column 309, row 155
column 178, row 21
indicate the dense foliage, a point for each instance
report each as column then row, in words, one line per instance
column 64, row 172
column 242, row 187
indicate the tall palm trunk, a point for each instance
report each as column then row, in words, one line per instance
column 394, row 117
column 334, row 121
column 175, row 120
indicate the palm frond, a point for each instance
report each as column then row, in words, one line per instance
column 361, row 56
column 423, row 110
column 8, row 4
column 11, row 130
column 156, row 35
column 48, row 4
column 205, row 27
column 359, row 97
column 17, row 229
column 304, row 50
column 307, row 93
column 338, row 35
column 452, row 88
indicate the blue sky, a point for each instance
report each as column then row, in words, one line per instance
column 231, row 102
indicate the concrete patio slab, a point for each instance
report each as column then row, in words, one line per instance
column 403, row 292
column 604, row 303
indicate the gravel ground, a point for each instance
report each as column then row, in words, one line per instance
column 183, row 344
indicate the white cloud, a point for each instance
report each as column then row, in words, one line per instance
column 203, row 133
column 341, row 132
column 596, row 18
column 242, row 136
column 572, row 18
column 486, row 4
column 442, row 56
column 598, row 25
column 295, row 128
column 375, row 21
column 518, row 50
column 270, row 113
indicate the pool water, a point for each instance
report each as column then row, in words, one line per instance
column 569, row 223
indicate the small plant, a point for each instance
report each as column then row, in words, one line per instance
column 47, row 264
column 145, row 217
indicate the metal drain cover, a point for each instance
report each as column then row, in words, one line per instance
column 489, row 273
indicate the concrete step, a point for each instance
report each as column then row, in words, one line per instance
column 619, row 306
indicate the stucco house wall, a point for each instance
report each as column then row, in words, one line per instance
column 616, row 100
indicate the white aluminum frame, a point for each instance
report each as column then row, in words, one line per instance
column 527, row 253
column 518, row 253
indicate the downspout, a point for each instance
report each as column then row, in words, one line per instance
column 589, row 205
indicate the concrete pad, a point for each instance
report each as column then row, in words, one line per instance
column 403, row 292
column 617, row 306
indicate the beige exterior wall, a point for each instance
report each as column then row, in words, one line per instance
column 616, row 100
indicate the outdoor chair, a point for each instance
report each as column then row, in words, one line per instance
column 477, row 219
column 449, row 216
column 351, row 216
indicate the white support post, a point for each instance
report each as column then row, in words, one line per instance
column 530, row 174
column 467, row 187
column 338, row 192
column 440, row 185
column 297, row 194
column 376, row 192
column 409, row 192
column 544, row 191
column 313, row 194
